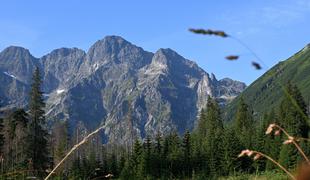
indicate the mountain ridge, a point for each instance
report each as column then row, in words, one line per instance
column 266, row 92
column 164, row 90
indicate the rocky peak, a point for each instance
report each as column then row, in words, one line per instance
column 16, row 52
column 167, row 57
column 230, row 82
column 18, row 62
column 110, row 45
column 212, row 77
column 63, row 52
column 61, row 66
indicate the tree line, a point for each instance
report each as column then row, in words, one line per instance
column 29, row 148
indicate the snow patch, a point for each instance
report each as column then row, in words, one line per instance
column 46, row 95
column 96, row 66
column 227, row 97
column 60, row 91
column 11, row 75
column 48, row 112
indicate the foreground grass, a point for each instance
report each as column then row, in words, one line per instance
column 262, row 176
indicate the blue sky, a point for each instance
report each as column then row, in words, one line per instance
column 274, row 29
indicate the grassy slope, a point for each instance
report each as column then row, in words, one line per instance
column 263, row 176
column 266, row 92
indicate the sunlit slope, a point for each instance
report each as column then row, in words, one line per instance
column 267, row 91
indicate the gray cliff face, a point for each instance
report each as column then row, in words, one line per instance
column 136, row 93
column 61, row 67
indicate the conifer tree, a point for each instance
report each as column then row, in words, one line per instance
column 199, row 158
column 214, row 137
column 37, row 138
column 113, row 164
column 60, row 143
column 261, row 141
column 147, row 155
column 293, row 118
column 136, row 159
column 186, row 146
column 2, row 140
column 273, row 143
column 174, row 157
column 16, row 125
column 202, row 124
column 244, row 125
column 232, row 147
column 158, row 155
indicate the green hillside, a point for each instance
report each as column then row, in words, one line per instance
column 267, row 91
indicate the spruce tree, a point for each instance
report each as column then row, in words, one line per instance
column 1, row 140
column 1, row 136
column 202, row 124
column 186, row 146
column 136, row 159
column 16, row 125
column 294, row 120
column 214, row 137
column 147, row 155
column 158, row 156
column 273, row 143
column 232, row 147
column 61, row 139
column 37, row 138
column 244, row 125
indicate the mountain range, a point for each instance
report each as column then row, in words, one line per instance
column 132, row 91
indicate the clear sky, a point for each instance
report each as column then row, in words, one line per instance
column 274, row 29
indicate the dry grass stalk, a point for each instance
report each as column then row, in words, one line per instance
column 232, row 57
column 209, row 32
column 259, row 155
column 73, row 149
column 290, row 140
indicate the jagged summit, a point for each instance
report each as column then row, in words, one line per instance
column 16, row 52
column 110, row 44
column 66, row 51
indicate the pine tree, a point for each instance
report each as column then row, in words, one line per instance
column 272, row 143
column 199, row 159
column 147, row 155
column 16, row 125
column 174, row 156
column 202, row 124
column 1, row 136
column 60, row 143
column 232, row 147
column 244, row 125
column 186, row 146
column 113, row 164
column 261, row 140
column 158, row 156
column 37, row 138
column 214, row 138
column 2, row 140
column 294, row 120
column 136, row 159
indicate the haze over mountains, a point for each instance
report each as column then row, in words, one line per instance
column 117, row 83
